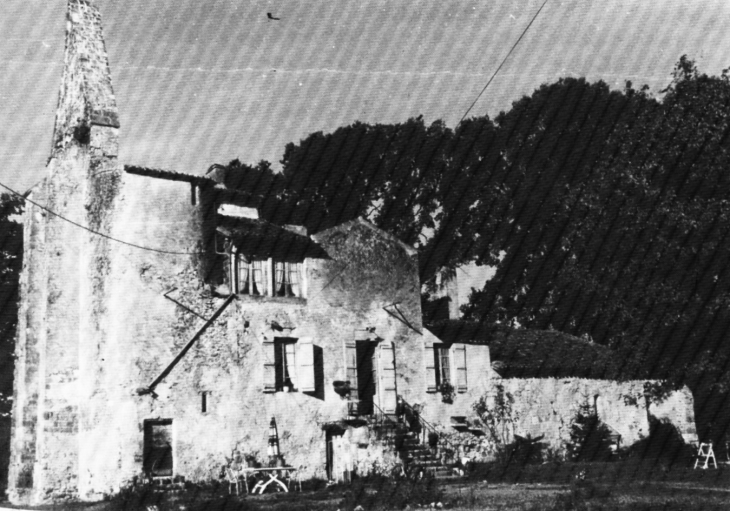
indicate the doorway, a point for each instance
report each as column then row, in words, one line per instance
column 338, row 460
column 158, row 448
column 367, row 376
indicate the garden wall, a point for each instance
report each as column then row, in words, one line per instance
column 547, row 406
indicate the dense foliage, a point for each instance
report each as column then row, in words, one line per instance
column 615, row 227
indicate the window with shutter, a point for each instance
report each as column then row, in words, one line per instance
column 386, row 370
column 459, row 353
column 285, row 364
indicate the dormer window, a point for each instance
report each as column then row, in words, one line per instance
column 287, row 278
column 262, row 277
column 251, row 279
column 261, row 260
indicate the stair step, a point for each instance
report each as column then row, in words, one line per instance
column 426, row 463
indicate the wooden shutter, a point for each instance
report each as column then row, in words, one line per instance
column 305, row 365
column 269, row 364
column 429, row 355
column 386, row 372
column 351, row 371
column 459, row 356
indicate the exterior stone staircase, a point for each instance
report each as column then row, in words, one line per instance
column 417, row 456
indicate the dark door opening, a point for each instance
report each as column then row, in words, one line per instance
column 366, row 376
column 158, row 448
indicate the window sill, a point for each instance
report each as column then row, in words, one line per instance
column 292, row 300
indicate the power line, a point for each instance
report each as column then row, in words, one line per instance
column 97, row 233
column 503, row 61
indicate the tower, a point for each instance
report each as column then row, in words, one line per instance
column 60, row 334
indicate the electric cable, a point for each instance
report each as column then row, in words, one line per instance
column 97, row 233
column 503, row 61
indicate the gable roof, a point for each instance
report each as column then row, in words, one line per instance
column 360, row 221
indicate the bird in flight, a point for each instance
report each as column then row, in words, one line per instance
column 271, row 17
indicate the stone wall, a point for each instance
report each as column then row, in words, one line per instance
column 547, row 407
column 678, row 409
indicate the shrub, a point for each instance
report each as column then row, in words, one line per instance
column 590, row 439
column 526, row 450
column 498, row 417
column 386, row 493
column 664, row 442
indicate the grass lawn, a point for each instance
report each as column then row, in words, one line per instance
column 630, row 485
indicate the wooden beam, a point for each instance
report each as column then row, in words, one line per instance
column 171, row 366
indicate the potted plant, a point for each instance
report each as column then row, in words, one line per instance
column 342, row 387
column 447, row 392
column 433, row 441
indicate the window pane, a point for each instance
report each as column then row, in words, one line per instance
column 294, row 278
column 445, row 365
column 257, row 278
column 243, row 276
column 279, row 279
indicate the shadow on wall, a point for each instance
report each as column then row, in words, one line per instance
column 4, row 453
column 664, row 442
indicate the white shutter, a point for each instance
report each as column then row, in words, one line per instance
column 269, row 365
column 430, row 358
column 459, row 356
column 351, row 371
column 386, row 371
column 305, row 365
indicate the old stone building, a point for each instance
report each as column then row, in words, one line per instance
column 163, row 324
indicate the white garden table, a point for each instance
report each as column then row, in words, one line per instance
column 274, row 475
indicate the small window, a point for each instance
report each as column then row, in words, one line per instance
column 286, row 364
column 287, row 279
column 442, row 364
column 204, row 401
column 222, row 243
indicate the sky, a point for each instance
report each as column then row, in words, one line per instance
column 199, row 83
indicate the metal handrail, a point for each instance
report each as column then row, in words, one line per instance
column 425, row 425
column 383, row 416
